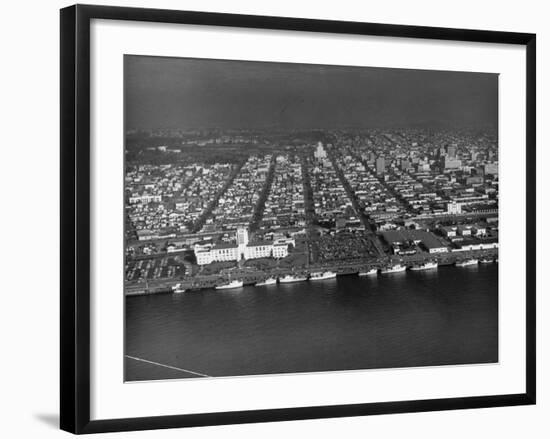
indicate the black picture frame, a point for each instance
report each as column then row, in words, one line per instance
column 75, row 217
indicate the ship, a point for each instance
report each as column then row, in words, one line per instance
column 466, row 263
column 424, row 266
column 178, row 289
column 268, row 281
column 368, row 272
column 486, row 261
column 322, row 275
column 393, row 269
column 292, row 278
column 231, row 284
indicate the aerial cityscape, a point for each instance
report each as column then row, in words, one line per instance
column 285, row 218
column 222, row 208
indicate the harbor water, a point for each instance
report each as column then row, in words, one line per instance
column 435, row 317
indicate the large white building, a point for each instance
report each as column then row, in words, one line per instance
column 258, row 250
column 242, row 249
column 454, row 208
column 320, row 152
column 476, row 246
column 280, row 250
column 144, row 199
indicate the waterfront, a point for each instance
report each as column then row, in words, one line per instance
column 426, row 318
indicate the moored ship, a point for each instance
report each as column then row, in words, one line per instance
column 393, row 269
column 292, row 278
column 370, row 272
column 424, row 266
column 466, row 263
column 322, row 275
column 231, row 284
column 486, row 261
column 268, row 281
column 178, row 289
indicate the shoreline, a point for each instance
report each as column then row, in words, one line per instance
column 251, row 277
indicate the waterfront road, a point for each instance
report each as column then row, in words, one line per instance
column 250, row 276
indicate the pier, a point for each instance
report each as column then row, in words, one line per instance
column 251, row 276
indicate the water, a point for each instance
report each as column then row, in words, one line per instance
column 436, row 317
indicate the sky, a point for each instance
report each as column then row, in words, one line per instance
column 167, row 92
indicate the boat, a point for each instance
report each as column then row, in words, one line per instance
column 424, row 266
column 322, row 275
column 486, row 261
column 466, row 263
column 368, row 272
column 231, row 284
column 178, row 289
column 393, row 269
column 268, row 281
column 292, row 278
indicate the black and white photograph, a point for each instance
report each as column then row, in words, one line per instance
column 263, row 219
column 289, row 218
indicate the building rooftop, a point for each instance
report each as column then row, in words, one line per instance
column 225, row 245
column 400, row 236
column 258, row 243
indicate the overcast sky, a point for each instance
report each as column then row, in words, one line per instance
column 192, row 93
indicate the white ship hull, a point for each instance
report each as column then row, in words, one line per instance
column 394, row 269
column 269, row 281
column 289, row 279
column 232, row 284
column 467, row 263
column 426, row 266
column 322, row 276
column 368, row 273
column 178, row 289
column 485, row 261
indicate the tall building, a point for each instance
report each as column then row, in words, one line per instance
column 380, row 165
column 454, row 208
column 242, row 240
column 451, row 151
column 320, row 152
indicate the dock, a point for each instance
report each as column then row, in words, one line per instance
column 342, row 268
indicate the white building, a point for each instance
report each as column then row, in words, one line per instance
column 242, row 249
column 465, row 230
column 479, row 230
column 320, row 152
column 258, row 250
column 454, row 208
column 242, row 240
column 280, row 251
column 204, row 257
column 144, row 199
column 491, row 169
column 449, row 231
column 225, row 252
column 476, row 246
column 441, row 249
